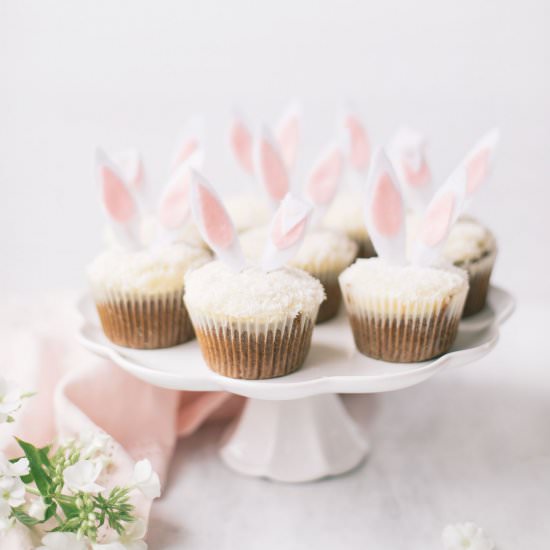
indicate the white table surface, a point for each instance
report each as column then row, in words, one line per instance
column 471, row 444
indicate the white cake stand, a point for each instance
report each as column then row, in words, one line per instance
column 295, row 428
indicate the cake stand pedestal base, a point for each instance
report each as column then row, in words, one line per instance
column 294, row 441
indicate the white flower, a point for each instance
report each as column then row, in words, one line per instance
column 12, row 491
column 10, row 399
column 63, row 541
column 37, row 509
column 131, row 539
column 19, row 468
column 466, row 536
column 5, row 521
column 146, row 480
column 94, row 443
column 82, row 477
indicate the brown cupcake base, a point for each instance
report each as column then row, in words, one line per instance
column 149, row 323
column 329, row 307
column 479, row 276
column 405, row 340
column 255, row 355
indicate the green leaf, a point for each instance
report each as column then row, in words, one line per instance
column 67, row 505
column 50, row 511
column 37, row 461
column 23, row 517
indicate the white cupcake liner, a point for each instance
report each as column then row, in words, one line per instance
column 252, row 349
column 404, row 331
column 143, row 321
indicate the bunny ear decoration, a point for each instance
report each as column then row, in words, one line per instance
column 286, row 232
column 288, row 133
column 214, row 223
column 441, row 213
column 407, row 153
column 271, row 168
column 240, row 142
column 131, row 167
column 174, row 207
column 119, row 205
column 358, row 141
column 385, row 210
column 324, row 179
column 190, row 148
column 478, row 161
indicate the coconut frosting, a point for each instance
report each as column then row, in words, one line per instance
column 214, row 290
column 321, row 250
column 375, row 278
column 347, row 213
column 147, row 271
column 468, row 241
column 247, row 211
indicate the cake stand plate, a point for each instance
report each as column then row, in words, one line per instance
column 295, row 428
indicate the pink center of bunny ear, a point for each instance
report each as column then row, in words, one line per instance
column 217, row 225
column 284, row 239
column 417, row 178
column 324, row 180
column 274, row 171
column 117, row 199
column 387, row 207
column 174, row 207
column 476, row 170
column 186, row 150
column 288, row 138
column 438, row 219
column 360, row 146
column 241, row 141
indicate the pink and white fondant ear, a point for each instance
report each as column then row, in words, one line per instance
column 131, row 167
column 479, row 160
column 358, row 141
column 174, row 208
column 324, row 179
column 190, row 147
column 441, row 213
column 241, row 143
column 118, row 203
column 286, row 232
column 214, row 223
column 407, row 152
column 271, row 168
column 288, row 134
column 385, row 210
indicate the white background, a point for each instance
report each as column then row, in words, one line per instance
column 130, row 72
column 119, row 73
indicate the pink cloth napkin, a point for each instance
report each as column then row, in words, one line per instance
column 78, row 392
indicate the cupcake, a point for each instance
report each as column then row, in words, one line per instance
column 252, row 322
column 403, row 313
column 248, row 211
column 472, row 247
column 138, row 294
column 347, row 214
column 138, row 287
column 324, row 254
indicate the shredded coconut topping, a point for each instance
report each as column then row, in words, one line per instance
column 215, row 290
column 468, row 241
column 321, row 249
column 376, row 278
column 148, row 271
column 247, row 211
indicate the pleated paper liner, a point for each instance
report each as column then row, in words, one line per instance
column 403, row 332
column 479, row 276
column 255, row 351
column 145, row 322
